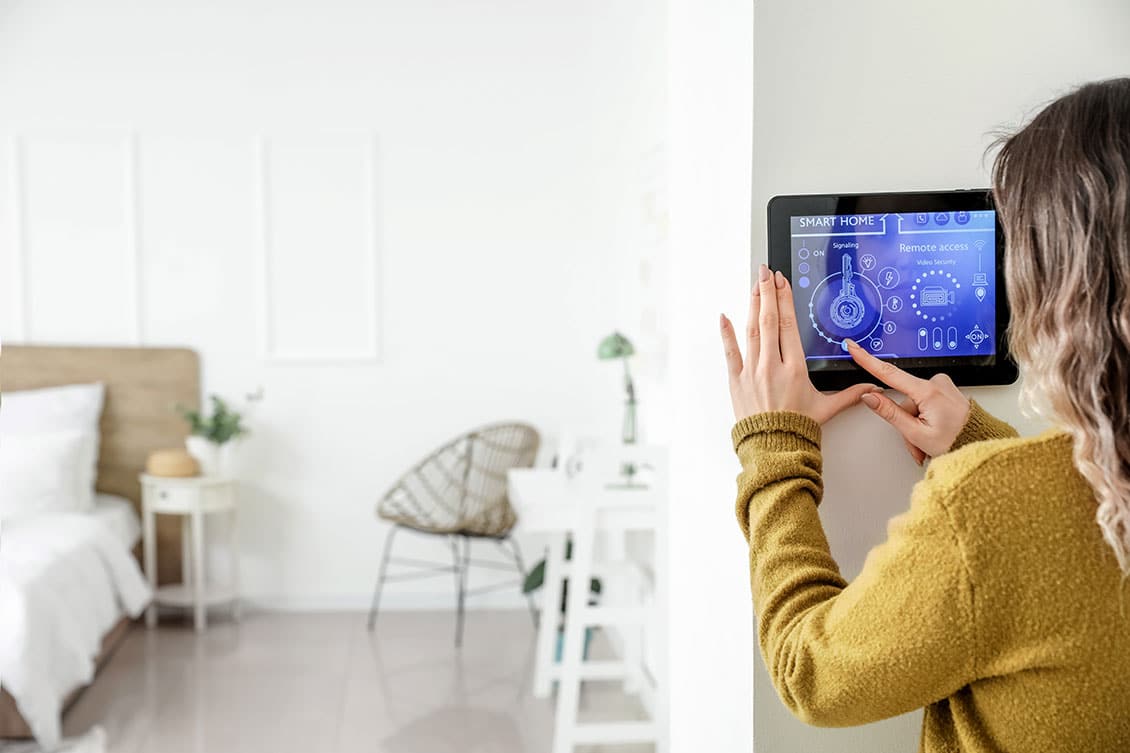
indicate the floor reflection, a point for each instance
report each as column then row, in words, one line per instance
column 321, row 683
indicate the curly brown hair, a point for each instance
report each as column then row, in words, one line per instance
column 1062, row 186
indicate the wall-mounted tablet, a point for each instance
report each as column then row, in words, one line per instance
column 915, row 278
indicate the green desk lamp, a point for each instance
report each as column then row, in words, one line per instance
column 618, row 346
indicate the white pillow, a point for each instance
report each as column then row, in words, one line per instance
column 39, row 473
column 75, row 407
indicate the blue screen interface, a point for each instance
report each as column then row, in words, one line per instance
column 910, row 285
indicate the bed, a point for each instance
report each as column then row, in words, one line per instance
column 52, row 553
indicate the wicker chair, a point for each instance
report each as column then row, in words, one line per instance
column 459, row 492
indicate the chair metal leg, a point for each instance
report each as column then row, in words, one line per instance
column 381, row 577
column 461, row 585
column 454, row 541
column 461, row 567
column 522, row 574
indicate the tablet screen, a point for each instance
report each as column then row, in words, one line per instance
column 908, row 285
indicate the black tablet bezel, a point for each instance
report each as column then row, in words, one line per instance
column 964, row 370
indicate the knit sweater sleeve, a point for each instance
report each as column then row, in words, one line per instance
column 898, row 637
column 981, row 425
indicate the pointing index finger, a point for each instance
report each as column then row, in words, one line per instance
column 886, row 372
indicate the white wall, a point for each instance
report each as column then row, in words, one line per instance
column 460, row 205
column 870, row 96
column 710, row 620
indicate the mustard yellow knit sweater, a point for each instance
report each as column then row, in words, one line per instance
column 994, row 602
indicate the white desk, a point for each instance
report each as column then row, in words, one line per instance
column 549, row 502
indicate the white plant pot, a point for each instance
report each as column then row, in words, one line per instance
column 205, row 452
column 229, row 453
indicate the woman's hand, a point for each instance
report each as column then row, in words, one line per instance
column 773, row 376
column 933, row 413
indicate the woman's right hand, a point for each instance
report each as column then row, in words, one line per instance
column 930, row 418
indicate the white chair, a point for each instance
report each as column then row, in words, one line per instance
column 595, row 508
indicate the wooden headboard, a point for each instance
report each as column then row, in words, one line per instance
column 143, row 387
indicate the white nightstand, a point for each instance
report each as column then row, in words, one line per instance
column 194, row 498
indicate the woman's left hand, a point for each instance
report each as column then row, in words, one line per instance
column 773, row 376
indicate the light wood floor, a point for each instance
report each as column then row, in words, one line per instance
column 320, row 683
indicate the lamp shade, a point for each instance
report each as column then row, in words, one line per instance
column 614, row 346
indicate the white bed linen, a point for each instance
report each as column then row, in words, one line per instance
column 73, row 407
column 118, row 514
column 39, row 473
column 65, row 580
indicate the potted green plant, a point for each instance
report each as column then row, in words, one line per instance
column 535, row 579
column 214, row 436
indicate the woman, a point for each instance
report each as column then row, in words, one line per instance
column 998, row 600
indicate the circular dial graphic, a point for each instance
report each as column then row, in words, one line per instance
column 845, row 304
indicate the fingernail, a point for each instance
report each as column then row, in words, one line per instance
column 763, row 273
column 871, row 399
column 780, row 279
column 850, row 343
column 876, row 388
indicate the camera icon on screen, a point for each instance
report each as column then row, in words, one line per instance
column 935, row 296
